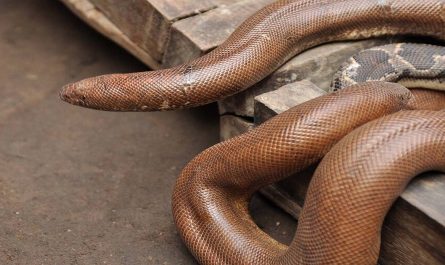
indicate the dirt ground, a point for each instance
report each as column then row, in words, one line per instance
column 80, row 186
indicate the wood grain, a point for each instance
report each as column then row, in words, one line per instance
column 96, row 19
column 194, row 36
column 147, row 22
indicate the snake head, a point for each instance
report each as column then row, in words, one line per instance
column 106, row 92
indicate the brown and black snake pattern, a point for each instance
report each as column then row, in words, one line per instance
column 411, row 65
column 258, row 47
column 420, row 67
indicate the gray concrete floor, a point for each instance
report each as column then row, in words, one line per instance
column 79, row 186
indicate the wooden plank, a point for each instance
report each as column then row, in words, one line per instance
column 96, row 19
column 269, row 104
column 147, row 22
column 194, row 36
column 231, row 125
column 414, row 230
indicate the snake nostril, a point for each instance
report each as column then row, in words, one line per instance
column 63, row 95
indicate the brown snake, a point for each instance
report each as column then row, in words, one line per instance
column 260, row 45
column 349, row 194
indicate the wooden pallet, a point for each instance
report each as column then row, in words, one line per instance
column 163, row 33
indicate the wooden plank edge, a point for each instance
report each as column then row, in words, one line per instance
column 196, row 35
column 86, row 11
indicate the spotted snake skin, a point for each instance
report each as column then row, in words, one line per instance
column 411, row 65
column 420, row 67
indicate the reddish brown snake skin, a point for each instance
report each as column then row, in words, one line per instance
column 261, row 44
column 212, row 193
column 425, row 99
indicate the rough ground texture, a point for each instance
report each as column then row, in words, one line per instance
column 86, row 187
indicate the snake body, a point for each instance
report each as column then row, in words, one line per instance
column 260, row 45
column 353, row 187
column 211, row 195
column 424, row 99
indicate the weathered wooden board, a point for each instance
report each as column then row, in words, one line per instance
column 194, row 36
column 269, row 104
column 168, row 32
column 232, row 125
column 414, row 230
column 147, row 22
column 96, row 19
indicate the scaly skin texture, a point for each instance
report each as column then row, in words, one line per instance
column 358, row 181
column 420, row 67
column 260, row 45
column 211, row 195
column 425, row 99
column 412, row 65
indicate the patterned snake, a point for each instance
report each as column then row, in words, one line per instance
column 412, row 65
column 356, row 182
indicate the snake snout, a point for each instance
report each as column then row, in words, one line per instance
column 106, row 92
column 89, row 92
column 72, row 94
column 66, row 92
